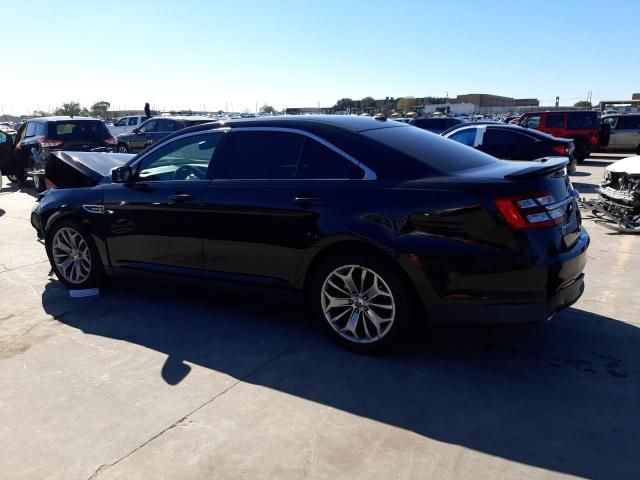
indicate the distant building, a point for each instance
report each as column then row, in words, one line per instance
column 487, row 103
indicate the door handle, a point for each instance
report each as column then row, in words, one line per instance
column 308, row 200
column 179, row 198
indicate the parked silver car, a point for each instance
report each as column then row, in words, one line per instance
column 625, row 131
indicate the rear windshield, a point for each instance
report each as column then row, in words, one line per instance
column 582, row 120
column 77, row 129
column 430, row 149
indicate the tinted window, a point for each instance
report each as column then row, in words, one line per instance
column 582, row 120
column 431, row 150
column 318, row 161
column 264, row 155
column 630, row 122
column 465, row 136
column 166, row 125
column 41, row 129
column 76, row 129
column 133, row 121
column 149, row 126
column 611, row 121
column 555, row 121
column 121, row 123
column 31, row 129
column 183, row 159
column 431, row 123
column 501, row 137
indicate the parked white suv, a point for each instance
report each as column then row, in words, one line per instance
column 126, row 124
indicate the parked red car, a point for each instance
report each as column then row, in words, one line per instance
column 582, row 126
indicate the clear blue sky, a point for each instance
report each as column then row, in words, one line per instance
column 190, row 53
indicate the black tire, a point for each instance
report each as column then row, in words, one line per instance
column 581, row 151
column 122, row 148
column 95, row 276
column 39, row 183
column 401, row 300
column 13, row 178
column 638, row 150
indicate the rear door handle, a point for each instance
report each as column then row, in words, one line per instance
column 308, row 200
column 179, row 198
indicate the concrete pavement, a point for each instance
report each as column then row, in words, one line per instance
column 164, row 380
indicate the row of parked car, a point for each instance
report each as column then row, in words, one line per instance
column 571, row 134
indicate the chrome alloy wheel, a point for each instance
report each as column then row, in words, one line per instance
column 71, row 255
column 358, row 304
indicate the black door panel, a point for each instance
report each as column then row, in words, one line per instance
column 145, row 224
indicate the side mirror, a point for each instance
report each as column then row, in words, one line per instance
column 136, row 131
column 121, row 174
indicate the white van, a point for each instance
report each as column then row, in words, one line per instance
column 126, row 124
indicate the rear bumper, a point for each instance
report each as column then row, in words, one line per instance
column 509, row 313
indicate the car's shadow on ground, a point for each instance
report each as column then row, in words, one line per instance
column 561, row 396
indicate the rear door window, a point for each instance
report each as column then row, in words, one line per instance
column 555, row 121
column 582, row 120
column 263, row 155
column 466, row 136
column 133, row 121
column 320, row 162
column 628, row 123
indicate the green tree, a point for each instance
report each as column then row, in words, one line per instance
column 368, row 102
column 344, row 104
column 268, row 109
column 71, row 109
column 582, row 104
column 406, row 103
column 99, row 109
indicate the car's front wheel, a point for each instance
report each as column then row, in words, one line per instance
column 122, row 148
column 73, row 256
column 361, row 301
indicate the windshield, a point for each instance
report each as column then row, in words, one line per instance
column 77, row 129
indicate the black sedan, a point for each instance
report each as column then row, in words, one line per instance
column 377, row 222
column 513, row 142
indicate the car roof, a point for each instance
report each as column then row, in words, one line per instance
column 630, row 114
column 345, row 122
column 561, row 111
column 60, row 118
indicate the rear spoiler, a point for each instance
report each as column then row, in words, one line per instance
column 542, row 166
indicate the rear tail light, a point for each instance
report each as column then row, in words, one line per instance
column 594, row 138
column 531, row 211
column 48, row 142
column 560, row 150
column 111, row 141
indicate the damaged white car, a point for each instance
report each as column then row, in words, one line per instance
column 619, row 199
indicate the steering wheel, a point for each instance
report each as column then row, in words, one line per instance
column 186, row 172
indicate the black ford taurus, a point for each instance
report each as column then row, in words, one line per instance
column 377, row 222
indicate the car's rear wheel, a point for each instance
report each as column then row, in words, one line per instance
column 73, row 256
column 13, row 178
column 122, row 148
column 638, row 150
column 38, row 183
column 361, row 301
